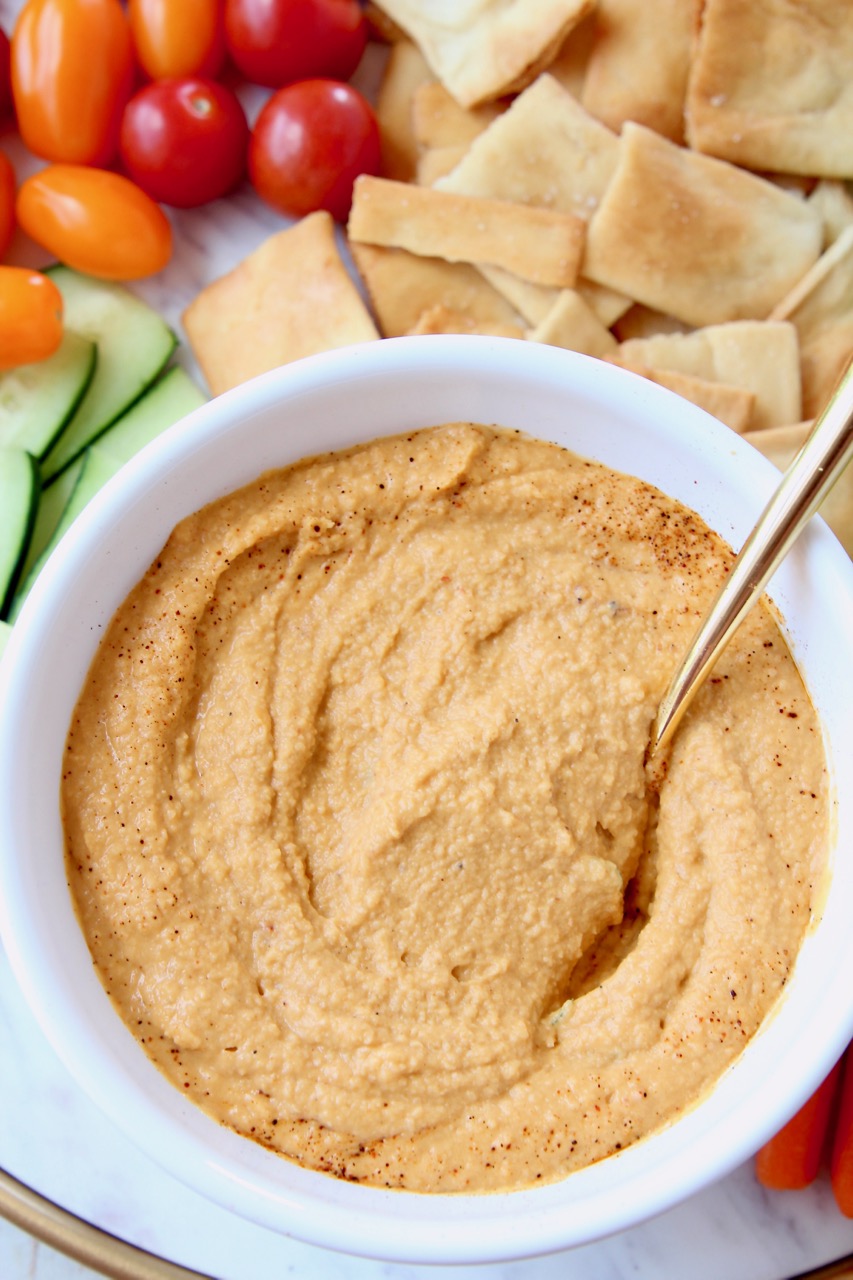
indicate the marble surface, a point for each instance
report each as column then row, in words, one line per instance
column 55, row 1140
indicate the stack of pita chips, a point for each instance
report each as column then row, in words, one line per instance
column 657, row 183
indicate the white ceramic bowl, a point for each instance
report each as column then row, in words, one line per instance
column 333, row 401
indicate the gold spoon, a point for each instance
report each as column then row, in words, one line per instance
column 805, row 484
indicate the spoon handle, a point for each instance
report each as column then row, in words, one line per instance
column 805, row 484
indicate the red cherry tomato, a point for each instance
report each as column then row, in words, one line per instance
column 309, row 144
column 72, row 72
column 274, row 42
column 30, row 317
column 6, row 106
column 95, row 221
column 184, row 141
column 178, row 37
column 7, row 202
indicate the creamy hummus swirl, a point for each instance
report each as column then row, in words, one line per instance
column 358, row 825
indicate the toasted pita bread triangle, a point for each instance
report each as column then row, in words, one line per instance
column 402, row 286
column 405, row 69
column 570, row 64
column 484, row 49
column 639, row 63
column 731, row 405
column 441, row 319
column 835, row 205
column 571, row 323
column 821, row 308
column 439, row 121
column 781, row 445
column 544, row 151
column 539, row 245
column 760, row 357
column 771, row 85
column 696, row 237
column 291, row 297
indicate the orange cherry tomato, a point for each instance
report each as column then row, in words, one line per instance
column 95, row 221
column 30, row 316
column 72, row 72
column 7, row 202
column 176, row 38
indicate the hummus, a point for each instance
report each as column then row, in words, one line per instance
column 358, row 827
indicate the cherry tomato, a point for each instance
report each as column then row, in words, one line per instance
column 178, row 37
column 30, row 316
column 274, row 42
column 309, row 144
column 7, row 202
column 184, row 141
column 95, row 221
column 72, row 70
column 6, row 106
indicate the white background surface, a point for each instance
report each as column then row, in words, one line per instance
column 55, row 1140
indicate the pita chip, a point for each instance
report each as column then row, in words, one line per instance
column 435, row 162
column 439, row 121
column 835, row 205
column 757, row 356
column 781, row 445
column 402, row 286
column 571, row 323
column 821, row 308
column 405, row 70
column 607, row 304
column 532, row 301
column 642, row 322
column 771, row 85
column 441, row 319
column 380, row 27
column 539, row 245
column 695, row 237
column 731, row 405
column 485, row 49
column 545, row 150
column 639, row 63
column 291, row 297
column 569, row 66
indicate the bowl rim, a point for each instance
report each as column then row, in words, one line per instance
column 393, row 1225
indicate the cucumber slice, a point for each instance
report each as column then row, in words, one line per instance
column 19, row 490
column 95, row 470
column 134, row 343
column 51, row 505
column 170, row 399
column 37, row 400
column 5, row 632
